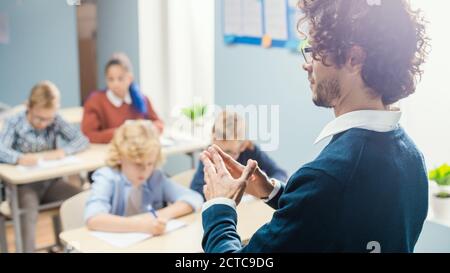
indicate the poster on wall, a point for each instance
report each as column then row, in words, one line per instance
column 266, row 23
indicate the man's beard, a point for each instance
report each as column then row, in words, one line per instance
column 327, row 91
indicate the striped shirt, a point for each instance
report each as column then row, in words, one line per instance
column 19, row 137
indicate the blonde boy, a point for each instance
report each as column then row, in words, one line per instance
column 33, row 135
column 133, row 185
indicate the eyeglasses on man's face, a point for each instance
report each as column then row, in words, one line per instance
column 306, row 50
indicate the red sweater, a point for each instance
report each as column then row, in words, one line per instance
column 101, row 117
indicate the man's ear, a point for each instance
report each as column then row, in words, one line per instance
column 355, row 59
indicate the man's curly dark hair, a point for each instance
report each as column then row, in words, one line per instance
column 392, row 35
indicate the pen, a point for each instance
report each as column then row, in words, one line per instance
column 152, row 211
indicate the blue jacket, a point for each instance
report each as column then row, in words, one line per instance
column 364, row 187
column 265, row 163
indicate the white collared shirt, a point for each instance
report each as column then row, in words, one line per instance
column 373, row 120
column 377, row 121
column 117, row 101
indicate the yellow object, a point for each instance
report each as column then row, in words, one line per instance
column 266, row 41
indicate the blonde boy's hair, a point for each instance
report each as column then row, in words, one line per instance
column 229, row 126
column 136, row 140
column 44, row 94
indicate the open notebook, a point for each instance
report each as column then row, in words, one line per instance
column 48, row 164
column 123, row 240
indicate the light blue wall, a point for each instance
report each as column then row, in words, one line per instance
column 117, row 30
column 43, row 46
column 435, row 238
column 253, row 75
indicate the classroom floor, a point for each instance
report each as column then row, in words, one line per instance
column 44, row 233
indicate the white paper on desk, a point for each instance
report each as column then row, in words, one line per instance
column 247, row 198
column 166, row 142
column 276, row 19
column 48, row 164
column 123, row 240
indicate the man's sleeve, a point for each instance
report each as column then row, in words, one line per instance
column 302, row 223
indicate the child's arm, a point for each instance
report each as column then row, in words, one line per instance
column 98, row 212
column 183, row 200
column 113, row 223
column 175, row 210
column 7, row 137
column 153, row 116
column 54, row 154
column 76, row 141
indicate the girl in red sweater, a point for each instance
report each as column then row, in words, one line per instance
column 106, row 110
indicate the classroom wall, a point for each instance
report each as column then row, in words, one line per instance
column 42, row 45
column 253, row 75
column 435, row 238
column 117, row 30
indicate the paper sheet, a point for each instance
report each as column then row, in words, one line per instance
column 232, row 17
column 276, row 19
column 166, row 142
column 247, row 198
column 252, row 18
column 123, row 240
column 48, row 164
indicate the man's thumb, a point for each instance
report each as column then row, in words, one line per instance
column 249, row 169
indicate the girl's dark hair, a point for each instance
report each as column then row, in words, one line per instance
column 391, row 34
column 120, row 59
column 137, row 97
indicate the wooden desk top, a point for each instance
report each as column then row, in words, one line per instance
column 252, row 215
column 90, row 160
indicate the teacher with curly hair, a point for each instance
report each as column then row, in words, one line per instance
column 369, row 185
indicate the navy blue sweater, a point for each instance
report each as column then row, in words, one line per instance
column 365, row 186
column 265, row 163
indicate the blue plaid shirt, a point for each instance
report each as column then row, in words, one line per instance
column 19, row 137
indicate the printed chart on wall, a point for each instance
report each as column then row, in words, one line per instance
column 266, row 23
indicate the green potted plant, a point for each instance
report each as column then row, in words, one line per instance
column 195, row 114
column 440, row 201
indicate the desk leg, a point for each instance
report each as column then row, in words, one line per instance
column 192, row 155
column 15, row 214
column 3, row 242
column 1, row 191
